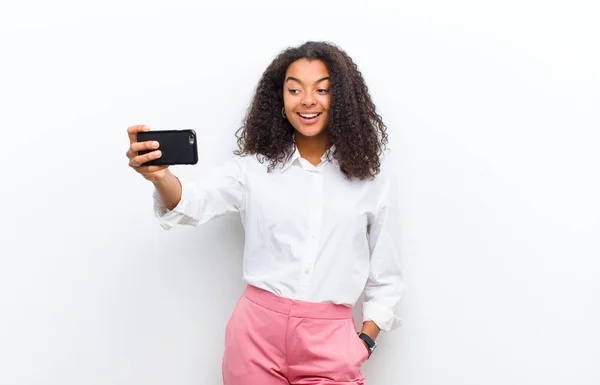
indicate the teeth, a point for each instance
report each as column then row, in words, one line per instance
column 308, row 115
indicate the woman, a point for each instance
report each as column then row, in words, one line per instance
column 316, row 195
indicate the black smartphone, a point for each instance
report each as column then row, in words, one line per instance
column 177, row 146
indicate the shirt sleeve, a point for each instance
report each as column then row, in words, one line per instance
column 385, row 284
column 221, row 192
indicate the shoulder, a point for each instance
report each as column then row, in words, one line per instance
column 386, row 182
column 387, row 168
column 248, row 165
column 250, row 161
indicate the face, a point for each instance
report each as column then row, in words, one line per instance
column 306, row 97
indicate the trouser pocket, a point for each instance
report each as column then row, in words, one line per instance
column 325, row 348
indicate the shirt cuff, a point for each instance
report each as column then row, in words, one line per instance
column 169, row 218
column 385, row 319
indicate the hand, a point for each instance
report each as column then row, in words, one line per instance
column 136, row 161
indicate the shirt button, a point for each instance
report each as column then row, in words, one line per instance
column 306, row 271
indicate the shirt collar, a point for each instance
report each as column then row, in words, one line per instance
column 292, row 158
column 296, row 155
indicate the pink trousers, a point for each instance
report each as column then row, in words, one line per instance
column 272, row 340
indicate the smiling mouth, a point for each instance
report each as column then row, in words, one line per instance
column 309, row 116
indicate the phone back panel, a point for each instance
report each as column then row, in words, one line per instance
column 177, row 146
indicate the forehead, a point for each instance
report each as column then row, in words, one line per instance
column 307, row 70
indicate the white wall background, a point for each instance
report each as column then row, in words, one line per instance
column 493, row 111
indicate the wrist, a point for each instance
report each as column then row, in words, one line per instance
column 369, row 343
column 371, row 329
column 161, row 178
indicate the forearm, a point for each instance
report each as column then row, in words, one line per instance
column 169, row 189
column 371, row 329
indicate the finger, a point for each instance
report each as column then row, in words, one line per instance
column 137, row 161
column 145, row 170
column 139, row 146
column 133, row 130
column 133, row 163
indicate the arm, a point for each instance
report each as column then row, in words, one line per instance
column 384, row 287
column 184, row 203
column 371, row 329
column 169, row 190
column 179, row 202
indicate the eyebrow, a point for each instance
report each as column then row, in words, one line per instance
column 299, row 81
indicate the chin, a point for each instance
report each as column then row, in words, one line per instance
column 309, row 131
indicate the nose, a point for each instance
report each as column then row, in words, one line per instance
column 308, row 100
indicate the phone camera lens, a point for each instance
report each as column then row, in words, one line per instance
column 191, row 139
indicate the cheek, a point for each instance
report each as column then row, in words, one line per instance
column 288, row 102
column 326, row 102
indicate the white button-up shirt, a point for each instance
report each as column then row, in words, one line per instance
column 310, row 233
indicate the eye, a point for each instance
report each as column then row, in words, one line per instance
column 293, row 91
column 322, row 90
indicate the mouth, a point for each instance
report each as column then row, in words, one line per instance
column 308, row 118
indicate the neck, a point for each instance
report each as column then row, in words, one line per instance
column 312, row 147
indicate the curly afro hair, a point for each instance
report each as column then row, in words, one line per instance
column 353, row 126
